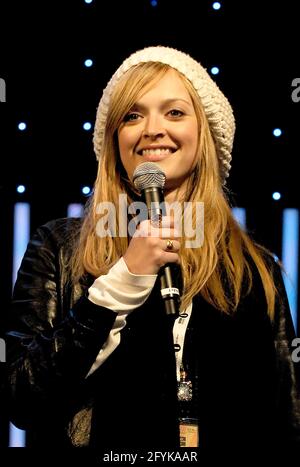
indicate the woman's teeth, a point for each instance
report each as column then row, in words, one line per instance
column 156, row 152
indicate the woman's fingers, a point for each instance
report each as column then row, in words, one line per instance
column 166, row 230
column 152, row 247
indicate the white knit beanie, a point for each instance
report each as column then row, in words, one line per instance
column 216, row 106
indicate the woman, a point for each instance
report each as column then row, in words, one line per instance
column 94, row 360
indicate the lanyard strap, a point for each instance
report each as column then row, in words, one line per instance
column 179, row 330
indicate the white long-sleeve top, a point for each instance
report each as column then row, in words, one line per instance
column 122, row 292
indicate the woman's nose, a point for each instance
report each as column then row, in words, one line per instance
column 153, row 128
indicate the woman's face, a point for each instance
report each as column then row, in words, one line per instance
column 161, row 127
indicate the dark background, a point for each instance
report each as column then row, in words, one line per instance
column 255, row 44
column 43, row 46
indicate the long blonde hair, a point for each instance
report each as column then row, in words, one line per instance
column 220, row 269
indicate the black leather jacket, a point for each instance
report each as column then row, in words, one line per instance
column 246, row 385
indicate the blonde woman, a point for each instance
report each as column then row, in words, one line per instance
column 94, row 360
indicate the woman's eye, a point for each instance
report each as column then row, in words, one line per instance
column 175, row 113
column 131, row 117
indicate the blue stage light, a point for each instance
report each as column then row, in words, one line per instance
column 240, row 216
column 277, row 132
column 22, row 126
column 88, row 62
column 290, row 251
column 86, row 190
column 87, row 126
column 214, row 70
column 216, row 5
column 276, row 195
column 17, row 437
column 21, row 188
column 75, row 210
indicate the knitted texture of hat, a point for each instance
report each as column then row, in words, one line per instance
column 216, row 106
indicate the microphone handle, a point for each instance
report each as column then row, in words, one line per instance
column 171, row 298
column 154, row 199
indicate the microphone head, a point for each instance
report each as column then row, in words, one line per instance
column 148, row 175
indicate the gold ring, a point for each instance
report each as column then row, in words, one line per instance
column 169, row 245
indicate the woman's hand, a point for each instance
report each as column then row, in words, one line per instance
column 150, row 247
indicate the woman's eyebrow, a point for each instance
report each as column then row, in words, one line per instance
column 140, row 106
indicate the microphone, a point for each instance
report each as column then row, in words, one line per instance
column 149, row 180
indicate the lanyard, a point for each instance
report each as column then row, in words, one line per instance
column 179, row 330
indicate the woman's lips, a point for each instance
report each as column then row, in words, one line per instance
column 155, row 157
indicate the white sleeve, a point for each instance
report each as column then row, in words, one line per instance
column 122, row 292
